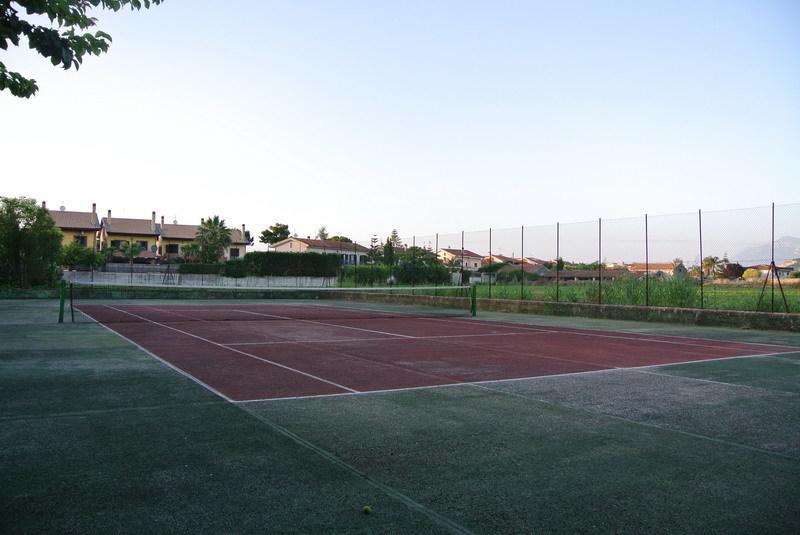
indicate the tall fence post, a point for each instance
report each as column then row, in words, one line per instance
column 522, row 263
column 600, row 261
column 772, row 267
column 702, row 274
column 646, row 265
column 436, row 252
column 414, row 262
column 462, row 258
column 490, row 262
column 558, row 255
column 61, row 301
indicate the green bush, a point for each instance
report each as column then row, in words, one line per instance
column 365, row 275
column 795, row 275
column 516, row 275
column 200, row 269
column 234, row 269
column 261, row 263
column 420, row 271
column 751, row 274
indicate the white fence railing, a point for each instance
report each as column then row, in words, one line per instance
column 196, row 281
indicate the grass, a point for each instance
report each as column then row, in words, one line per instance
column 669, row 293
column 99, row 437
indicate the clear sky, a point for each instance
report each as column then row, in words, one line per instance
column 423, row 116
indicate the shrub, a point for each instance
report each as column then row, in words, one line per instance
column 200, row 269
column 261, row 263
column 516, row 275
column 795, row 275
column 234, row 269
column 420, row 271
column 751, row 274
column 370, row 274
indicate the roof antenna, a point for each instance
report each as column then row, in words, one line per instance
column 62, row 207
column 174, row 220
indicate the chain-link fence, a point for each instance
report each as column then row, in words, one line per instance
column 744, row 259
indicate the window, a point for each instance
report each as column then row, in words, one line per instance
column 234, row 253
column 172, row 248
column 81, row 240
column 143, row 243
column 117, row 243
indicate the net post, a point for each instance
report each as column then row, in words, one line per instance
column 61, row 301
column 462, row 257
column 473, row 300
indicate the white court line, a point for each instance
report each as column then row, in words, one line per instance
column 593, row 332
column 325, row 324
column 336, row 340
column 159, row 359
column 517, row 379
column 249, row 355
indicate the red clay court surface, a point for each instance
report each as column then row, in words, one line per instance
column 246, row 352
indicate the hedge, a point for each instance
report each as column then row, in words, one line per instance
column 262, row 264
column 200, row 269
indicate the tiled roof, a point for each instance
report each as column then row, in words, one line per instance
column 586, row 273
column 457, row 252
column 119, row 225
column 654, row 266
column 75, row 220
column 527, row 268
column 178, row 232
column 331, row 245
column 172, row 231
column 501, row 258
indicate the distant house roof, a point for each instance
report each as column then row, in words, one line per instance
column 75, row 220
column 641, row 267
column 178, row 232
column 328, row 245
column 585, row 274
column 173, row 231
column 527, row 268
column 120, row 225
column 457, row 252
column 532, row 260
column 500, row 258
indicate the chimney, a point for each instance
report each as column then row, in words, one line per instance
column 162, row 219
column 44, row 205
column 94, row 208
column 242, row 230
column 202, row 220
column 109, row 214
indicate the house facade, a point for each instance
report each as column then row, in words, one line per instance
column 80, row 227
column 172, row 237
column 468, row 260
column 352, row 254
column 657, row 269
column 115, row 231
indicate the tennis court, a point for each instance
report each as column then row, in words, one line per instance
column 291, row 414
column 254, row 351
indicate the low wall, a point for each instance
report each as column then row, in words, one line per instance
column 694, row 316
column 29, row 293
column 196, row 281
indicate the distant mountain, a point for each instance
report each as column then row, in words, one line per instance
column 786, row 248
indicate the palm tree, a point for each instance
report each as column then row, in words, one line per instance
column 130, row 250
column 191, row 252
column 213, row 237
column 709, row 263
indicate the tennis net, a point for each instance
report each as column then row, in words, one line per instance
column 132, row 304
